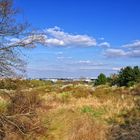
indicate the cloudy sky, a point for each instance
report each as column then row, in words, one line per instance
column 82, row 38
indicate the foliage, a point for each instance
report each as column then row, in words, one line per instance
column 101, row 80
column 128, row 76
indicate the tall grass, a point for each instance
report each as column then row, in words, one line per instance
column 43, row 110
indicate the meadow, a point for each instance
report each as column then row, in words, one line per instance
column 89, row 37
column 43, row 110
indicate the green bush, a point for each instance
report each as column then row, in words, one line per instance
column 101, row 80
column 128, row 76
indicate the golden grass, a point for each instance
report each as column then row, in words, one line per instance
column 84, row 128
column 74, row 111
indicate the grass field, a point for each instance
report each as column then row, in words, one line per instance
column 39, row 110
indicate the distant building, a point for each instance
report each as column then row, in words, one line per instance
column 68, row 79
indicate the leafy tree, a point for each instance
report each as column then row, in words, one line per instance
column 128, row 76
column 101, row 80
column 136, row 71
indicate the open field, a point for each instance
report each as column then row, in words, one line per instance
column 69, row 70
column 41, row 110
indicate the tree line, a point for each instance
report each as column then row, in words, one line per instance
column 127, row 76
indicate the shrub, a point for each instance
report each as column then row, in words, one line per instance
column 128, row 76
column 23, row 102
column 101, row 80
column 20, row 117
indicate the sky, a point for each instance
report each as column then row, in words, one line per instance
column 82, row 37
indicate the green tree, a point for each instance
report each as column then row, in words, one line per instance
column 101, row 80
column 136, row 71
column 128, row 76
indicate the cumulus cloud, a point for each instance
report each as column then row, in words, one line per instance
column 134, row 45
column 122, row 53
column 127, row 50
column 56, row 37
column 67, row 39
column 134, row 53
column 53, row 42
column 115, row 52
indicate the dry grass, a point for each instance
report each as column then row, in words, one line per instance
column 103, row 109
column 69, row 112
column 20, row 120
column 84, row 128
column 112, row 108
column 67, row 124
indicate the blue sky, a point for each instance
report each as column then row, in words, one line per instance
column 83, row 37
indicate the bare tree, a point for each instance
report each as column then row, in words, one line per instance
column 13, row 37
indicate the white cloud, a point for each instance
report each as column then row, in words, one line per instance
column 115, row 52
column 122, row 53
column 55, row 37
column 53, row 42
column 134, row 53
column 67, row 39
column 85, row 63
column 134, row 45
column 127, row 50
column 100, row 68
column 104, row 44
